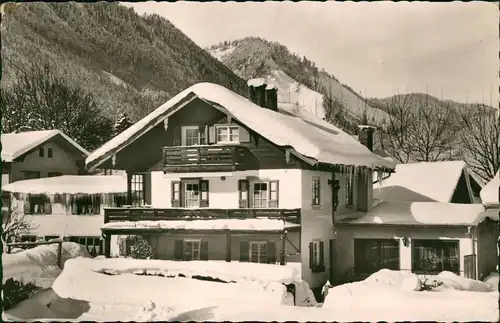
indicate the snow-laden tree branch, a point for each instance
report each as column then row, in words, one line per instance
column 15, row 224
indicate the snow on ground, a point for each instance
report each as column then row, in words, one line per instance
column 39, row 264
column 492, row 280
column 458, row 300
column 161, row 297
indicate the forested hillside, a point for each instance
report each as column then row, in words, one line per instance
column 129, row 63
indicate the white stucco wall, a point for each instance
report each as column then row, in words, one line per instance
column 224, row 193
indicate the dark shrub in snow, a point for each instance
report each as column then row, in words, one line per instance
column 15, row 291
column 428, row 284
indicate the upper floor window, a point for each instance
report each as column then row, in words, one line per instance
column 228, row 134
column 316, row 191
column 193, row 135
column 31, row 174
column 137, row 189
column 37, row 204
column 190, row 193
column 265, row 194
column 41, row 152
column 86, row 204
column 50, row 152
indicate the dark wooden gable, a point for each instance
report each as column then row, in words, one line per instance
column 461, row 194
column 146, row 152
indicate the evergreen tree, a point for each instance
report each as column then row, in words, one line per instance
column 122, row 123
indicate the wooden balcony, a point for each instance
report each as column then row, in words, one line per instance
column 150, row 214
column 204, row 158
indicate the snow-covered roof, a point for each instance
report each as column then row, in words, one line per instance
column 435, row 180
column 67, row 225
column 420, row 213
column 217, row 224
column 308, row 135
column 17, row 144
column 490, row 192
column 70, row 184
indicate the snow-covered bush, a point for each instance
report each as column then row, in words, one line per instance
column 15, row 291
column 136, row 247
column 430, row 284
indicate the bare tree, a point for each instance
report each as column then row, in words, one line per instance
column 15, row 223
column 480, row 136
column 420, row 130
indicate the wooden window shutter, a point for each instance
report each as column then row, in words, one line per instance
column 177, row 136
column 47, row 205
column 271, row 252
column 244, row 134
column 204, row 250
column 122, row 245
column 311, row 255
column 211, row 135
column 243, row 188
column 274, row 194
column 244, row 251
column 176, row 194
column 204, row 192
column 178, row 250
column 322, row 255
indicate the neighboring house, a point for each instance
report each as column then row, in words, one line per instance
column 443, row 181
column 39, row 154
column 422, row 237
column 490, row 194
column 68, row 206
column 212, row 175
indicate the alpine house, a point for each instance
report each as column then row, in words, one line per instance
column 212, row 175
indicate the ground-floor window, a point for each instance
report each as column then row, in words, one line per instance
column 29, row 238
column 371, row 255
column 258, row 251
column 94, row 244
column 86, row 204
column 191, row 249
column 317, row 256
column 37, row 204
column 435, row 256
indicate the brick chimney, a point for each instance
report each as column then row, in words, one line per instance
column 365, row 135
column 257, row 88
column 271, row 97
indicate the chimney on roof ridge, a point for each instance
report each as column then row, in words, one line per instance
column 263, row 94
column 365, row 135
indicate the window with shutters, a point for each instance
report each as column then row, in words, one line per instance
column 137, row 188
column 193, row 136
column 260, row 195
column 258, row 251
column 190, row 193
column 265, row 194
column 316, row 256
column 316, row 191
column 38, row 204
column 192, row 249
column 228, row 134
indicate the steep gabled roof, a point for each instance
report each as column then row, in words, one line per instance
column 15, row 145
column 308, row 135
column 490, row 192
column 435, row 180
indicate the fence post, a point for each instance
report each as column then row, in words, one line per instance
column 59, row 254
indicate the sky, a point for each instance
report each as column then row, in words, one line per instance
column 449, row 50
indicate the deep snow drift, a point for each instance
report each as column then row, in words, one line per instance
column 39, row 264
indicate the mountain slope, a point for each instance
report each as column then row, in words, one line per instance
column 130, row 63
column 299, row 81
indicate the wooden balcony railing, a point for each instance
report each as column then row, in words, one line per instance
column 150, row 214
column 204, row 158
